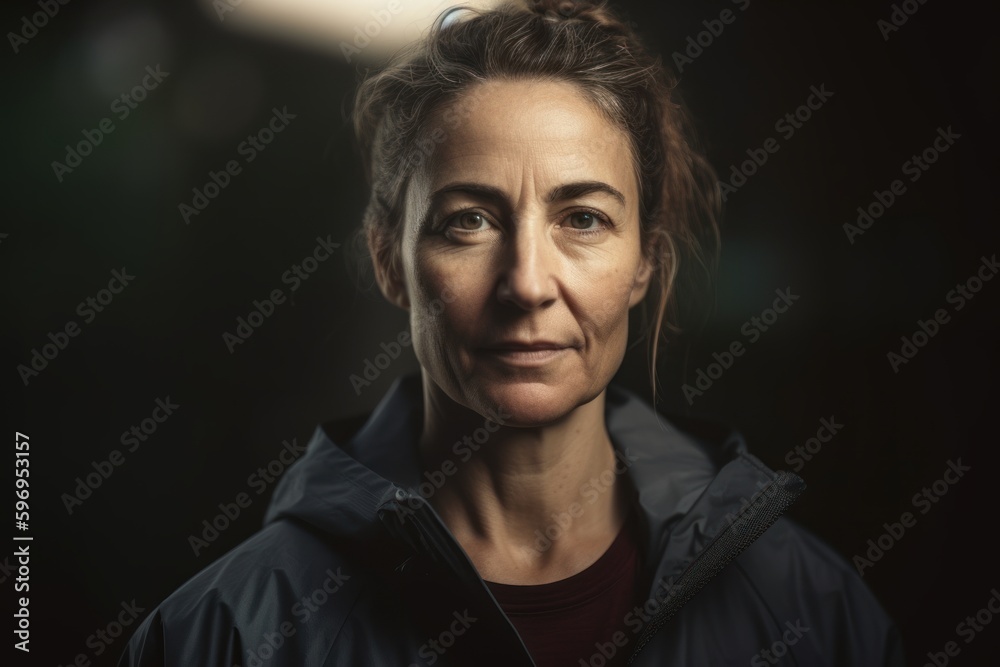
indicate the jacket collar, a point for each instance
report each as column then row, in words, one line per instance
column 690, row 483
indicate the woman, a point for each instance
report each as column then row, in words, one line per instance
column 532, row 179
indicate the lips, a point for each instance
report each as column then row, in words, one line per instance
column 525, row 346
column 526, row 354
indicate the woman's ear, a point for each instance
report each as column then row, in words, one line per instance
column 388, row 268
column 642, row 279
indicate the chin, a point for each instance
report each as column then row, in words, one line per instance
column 529, row 402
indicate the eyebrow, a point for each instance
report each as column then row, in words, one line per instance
column 559, row 193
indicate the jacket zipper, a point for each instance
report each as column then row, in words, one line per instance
column 749, row 524
column 433, row 536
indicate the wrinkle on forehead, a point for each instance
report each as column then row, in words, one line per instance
column 519, row 123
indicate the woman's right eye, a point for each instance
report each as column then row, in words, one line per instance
column 468, row 221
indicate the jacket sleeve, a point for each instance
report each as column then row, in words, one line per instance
column 145, row 647
column 180, row 635
column 848, row 624
column 870, row 634
column 895, row 656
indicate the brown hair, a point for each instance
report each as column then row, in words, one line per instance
column 583, row 43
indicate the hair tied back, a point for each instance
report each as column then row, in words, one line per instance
column 566, row 9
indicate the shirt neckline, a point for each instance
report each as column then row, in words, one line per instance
column 599, row 577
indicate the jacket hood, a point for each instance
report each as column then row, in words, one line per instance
column 692, row 479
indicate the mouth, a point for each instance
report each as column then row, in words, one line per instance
column 533, row 354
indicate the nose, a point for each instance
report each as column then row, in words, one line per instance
column 528, row 276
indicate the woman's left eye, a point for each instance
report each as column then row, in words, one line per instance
column 585, row 221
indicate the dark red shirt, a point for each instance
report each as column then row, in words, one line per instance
column 569, row 622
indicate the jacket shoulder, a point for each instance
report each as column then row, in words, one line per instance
column 249, row 602
column 799, row 578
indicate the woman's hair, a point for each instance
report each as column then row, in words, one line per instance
column 398, row 124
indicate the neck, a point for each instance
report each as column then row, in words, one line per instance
column 528, row 504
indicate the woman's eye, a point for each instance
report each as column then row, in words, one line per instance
column 469, row 221
column 584, row 221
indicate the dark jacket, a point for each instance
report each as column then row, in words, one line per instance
column 351, row 568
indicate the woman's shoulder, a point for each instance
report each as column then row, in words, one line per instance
column 263, row 591
column 788, row 544
column 801, row 579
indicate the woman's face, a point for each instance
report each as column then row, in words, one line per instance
column 521, row 251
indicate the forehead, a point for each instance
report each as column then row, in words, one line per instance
column 502, row 128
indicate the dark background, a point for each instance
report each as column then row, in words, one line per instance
column 162, row 336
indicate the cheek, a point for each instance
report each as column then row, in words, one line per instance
column 615, row 314
column 604, row 302
column 460, row 279
column 443, row 305
column 430, row 311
